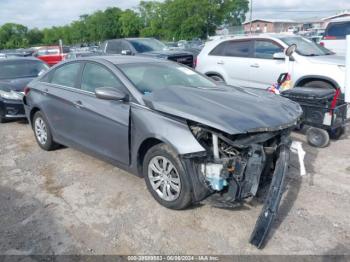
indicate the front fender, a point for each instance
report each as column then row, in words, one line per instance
column 146, row 123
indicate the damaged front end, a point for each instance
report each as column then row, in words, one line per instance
column 235, row 166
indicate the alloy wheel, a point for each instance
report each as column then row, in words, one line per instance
column 164, row 178
column 40, row 130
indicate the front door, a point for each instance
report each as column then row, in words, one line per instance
column 102, row 126
column 265, row 70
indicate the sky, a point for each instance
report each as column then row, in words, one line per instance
column 47, row 13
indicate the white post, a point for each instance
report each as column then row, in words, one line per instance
column 347, row 71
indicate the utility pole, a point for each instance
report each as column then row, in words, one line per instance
column 251, row 15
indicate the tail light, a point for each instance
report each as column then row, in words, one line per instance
column 195, row 62
column 26, row 90
column 321, row 43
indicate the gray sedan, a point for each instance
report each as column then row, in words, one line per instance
column 189, row 137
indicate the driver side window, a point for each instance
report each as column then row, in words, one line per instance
column 95, row 75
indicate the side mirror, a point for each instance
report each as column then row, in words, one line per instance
column 110, row 93
column 290, row 50
column 279, row 56
column 126, row 52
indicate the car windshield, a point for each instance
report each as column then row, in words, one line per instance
column 147, row 45
column 306, row 47
column 20, row 69
column 149, row 77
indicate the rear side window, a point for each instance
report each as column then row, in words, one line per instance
column 219, row 50
column 239, row 48
column 96, row 75
column 234, row 49
column 66, row 75
column 338, row 30
column 266, row 49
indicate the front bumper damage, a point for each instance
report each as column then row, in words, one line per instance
column 234, row 168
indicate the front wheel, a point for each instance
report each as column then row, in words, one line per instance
column 317, row 137
column 2, row 117
column 165, row 177
column 43, row 133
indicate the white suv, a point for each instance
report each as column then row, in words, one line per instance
column 257, row 61
column 335, row 35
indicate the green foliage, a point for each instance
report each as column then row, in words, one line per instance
column 168, row 20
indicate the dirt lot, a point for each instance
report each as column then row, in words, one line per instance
column 65, row 202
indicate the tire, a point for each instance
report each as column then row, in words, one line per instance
column 2, row 117
column 317, row 137
column 217, row 78
column 319, row 84
column 158, row 181
column 337, row 133
column 42, row 132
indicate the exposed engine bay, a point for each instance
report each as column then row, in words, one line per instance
column 235, row 166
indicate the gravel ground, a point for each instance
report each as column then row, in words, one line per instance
column 66, row 202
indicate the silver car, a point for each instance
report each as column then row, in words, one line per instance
column 186, row 135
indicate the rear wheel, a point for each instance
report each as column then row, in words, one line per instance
column 319, row 84
column 317, row 137
column 337, row 133
column 43, row 133
column 165, row 177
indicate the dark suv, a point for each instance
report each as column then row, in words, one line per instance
column 146, row 47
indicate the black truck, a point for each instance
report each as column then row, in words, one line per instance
column 149, row 47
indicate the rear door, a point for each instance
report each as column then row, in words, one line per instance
column 265, row 70
column 58, row 95
column 335, row 37
column 102, row 126
column 235, row 58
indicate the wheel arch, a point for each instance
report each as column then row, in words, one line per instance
column 145, row 146
column 212, row 73
column 32, row 113
column 306, row 79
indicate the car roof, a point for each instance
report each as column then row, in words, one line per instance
column 123, row 59
column 253, row 36
column 341, row 19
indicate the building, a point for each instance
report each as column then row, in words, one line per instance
column 270, row 26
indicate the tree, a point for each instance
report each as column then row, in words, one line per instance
column 35, row 36
column 130, row 24
column 13, row 36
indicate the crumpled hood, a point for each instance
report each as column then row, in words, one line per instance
column 17, row 84
column 229, row 109
column 328, row 59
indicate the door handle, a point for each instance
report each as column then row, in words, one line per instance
column 255, row 65
column 78, row 104
column 220, row 62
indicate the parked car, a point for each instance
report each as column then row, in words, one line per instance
column 78, row 54
column 188, row 136
column 52, row 54
column 335, row 35
column 149, row 47
column 257, row 61
column 15, row 74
